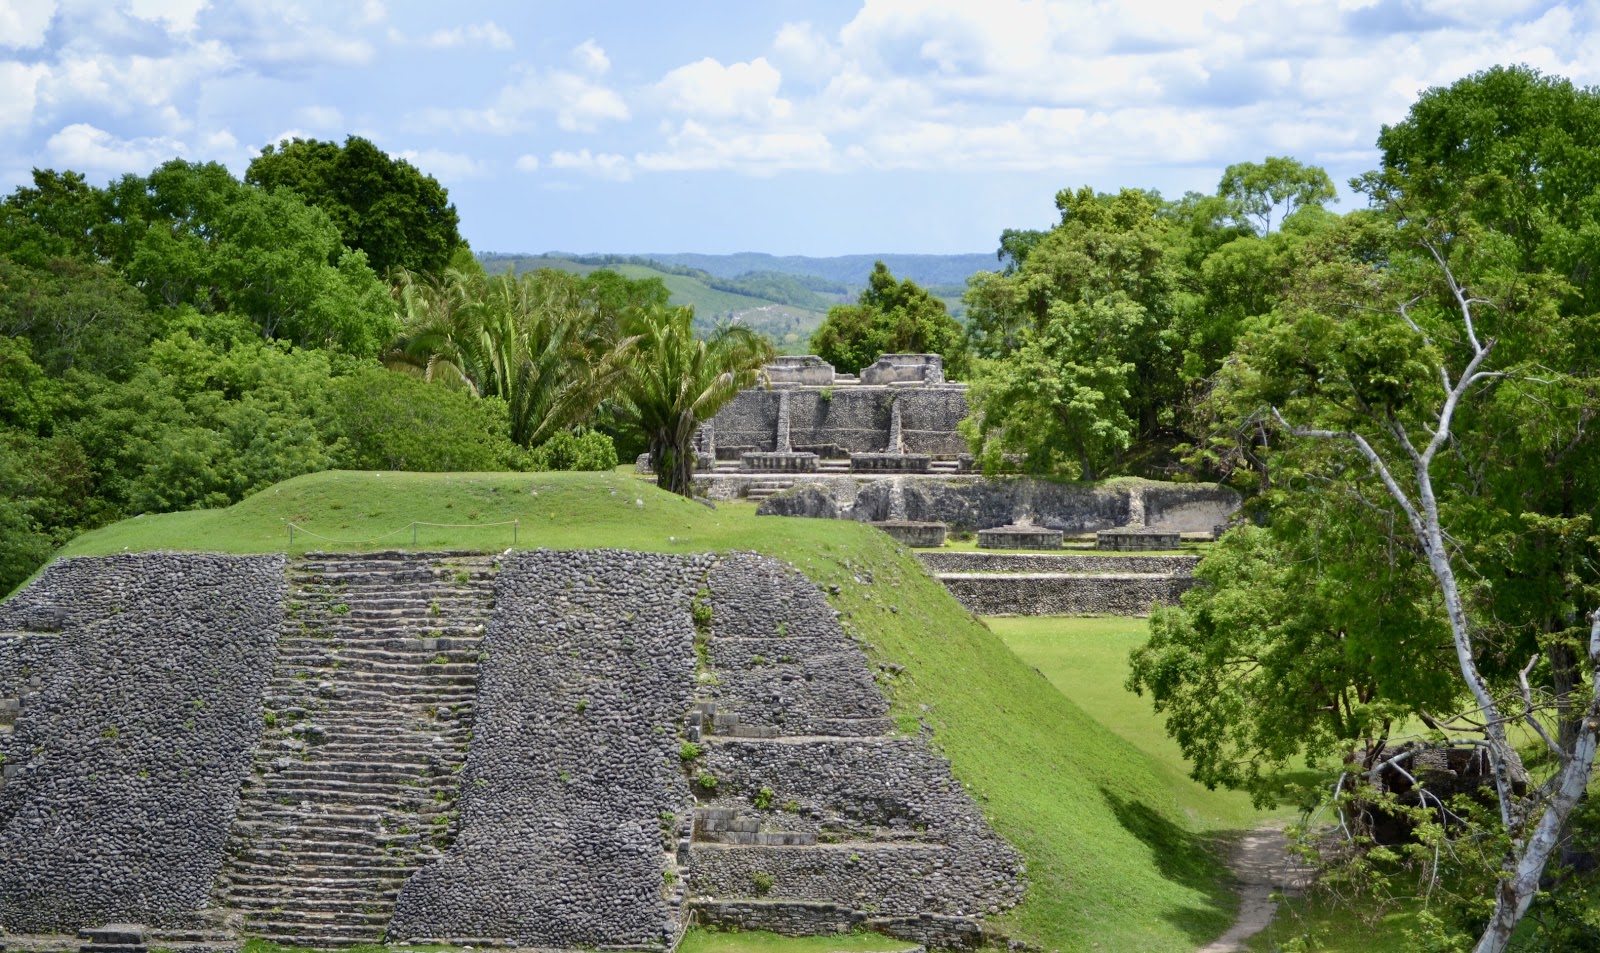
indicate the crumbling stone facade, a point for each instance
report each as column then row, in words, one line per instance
column 634, row 741
column 144, row 677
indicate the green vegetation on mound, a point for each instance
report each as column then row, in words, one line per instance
column 1115, row 861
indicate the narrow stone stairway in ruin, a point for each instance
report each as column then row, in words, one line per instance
column 368, row 715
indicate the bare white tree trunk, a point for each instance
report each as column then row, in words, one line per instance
column 1534, row 822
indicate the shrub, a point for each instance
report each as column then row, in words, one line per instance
column 763, row 882
column 566, row 450
column 688, row 751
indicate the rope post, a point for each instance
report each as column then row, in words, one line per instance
column 291, row 534
column 413, row 532
column 514, row 525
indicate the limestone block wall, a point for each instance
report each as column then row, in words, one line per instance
column 845, row 419
column 975, row 502
column 888, row 833
column 780, row 657
column 1056, row 563
column 573, row 762
column 131, row 715
column 1058, row 594
column 144, row 675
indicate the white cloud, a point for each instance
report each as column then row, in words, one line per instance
column 591, row 58
column 742, row 90
column 322, row 117
column 18, row 93
column 527, row 162
column 694, row 147
column 450, row 166
column 488, row 34
column 603, row 165
column 85, row 147
column 125, row 83
column 24, row 23
column 177, row 15
column 805, row 52
column 578, row 102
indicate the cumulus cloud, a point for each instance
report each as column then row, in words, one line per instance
column 604, row 165
column 591, row 58
column 19, row 85
column 738, row 91
column 488, row 34
column 448, row 166
column 178, row 16
column 24, row 23
column 579, row 103
column 527, row 162
column 695, row 147
column 85, row 147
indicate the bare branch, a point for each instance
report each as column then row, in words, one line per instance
column 1527, row 711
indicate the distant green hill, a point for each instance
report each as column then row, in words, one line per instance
column 786, row 308
column 785, row 298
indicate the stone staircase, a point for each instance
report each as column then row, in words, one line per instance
column 759, row 490
column 368, row 711
column 833, row 465
column 944, row 467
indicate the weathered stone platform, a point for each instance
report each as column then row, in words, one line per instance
column 1019, row 537
column 908, row 533
column 1061, row 584
column 1128, row 539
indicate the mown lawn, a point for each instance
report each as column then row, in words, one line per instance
column 1118, row 851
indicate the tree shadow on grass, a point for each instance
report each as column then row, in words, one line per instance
column 1191, row 860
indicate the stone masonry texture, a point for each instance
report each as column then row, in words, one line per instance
column 126, row 759
column 632, row 741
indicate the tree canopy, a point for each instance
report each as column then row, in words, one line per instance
column 889, row 317
column 381, row 205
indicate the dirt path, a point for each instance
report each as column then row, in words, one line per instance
column 1263, row 867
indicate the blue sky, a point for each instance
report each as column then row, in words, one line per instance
column 794, row 128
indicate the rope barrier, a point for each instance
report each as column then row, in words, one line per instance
column 413, row 525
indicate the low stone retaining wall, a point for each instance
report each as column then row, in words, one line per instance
column 920, row 535
column 890, row 462
column 1130, row 540
column 960, row 562
column 778, row 462
column 1129, row 594
column 1019, row 537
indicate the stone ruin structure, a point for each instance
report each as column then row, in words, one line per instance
column 542, row 749
column 898, row 416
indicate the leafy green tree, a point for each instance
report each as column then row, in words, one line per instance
column 1256, row 193
column 1081, row 336
column 1512, row 150
column 677, row 382
column 889, row 317
column 57, row 217
column 383, row 206
column 388, row 421
column 76, row 315
column 214, row 413
column 1458, row 421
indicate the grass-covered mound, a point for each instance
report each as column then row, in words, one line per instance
column 1115, row 860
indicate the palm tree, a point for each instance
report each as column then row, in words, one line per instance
column 523, row 339
column 677, row 381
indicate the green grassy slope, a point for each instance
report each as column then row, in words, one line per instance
column 1116, row 859
column 1087, row 659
